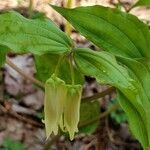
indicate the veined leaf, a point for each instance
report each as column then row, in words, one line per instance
column 46, row 64
column 104, row 67
column 143, row 3
column 110, row 29
column 118, row 33
column 36, row 36
column 135, row 120
column 141, row 73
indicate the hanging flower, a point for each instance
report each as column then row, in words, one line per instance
column 61, row 106
column 55, row 94
column 72, row 109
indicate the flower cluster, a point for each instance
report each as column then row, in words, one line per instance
column 62, row 106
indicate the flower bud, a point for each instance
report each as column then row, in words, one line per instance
column 72, row 109
column 55, row 94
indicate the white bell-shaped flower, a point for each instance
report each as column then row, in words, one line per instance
column 55, row 94
column 72, row 109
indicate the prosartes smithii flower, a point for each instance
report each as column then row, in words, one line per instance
column 61, row 106
column 55, row 94
column 72, row 109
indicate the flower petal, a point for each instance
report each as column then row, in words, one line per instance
column 72, row 109
column 55, row 94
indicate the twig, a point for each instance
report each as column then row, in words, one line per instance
column 32, row 79
column 20, row 117
column 102, row 115
column 98, row 95
column 24, row 119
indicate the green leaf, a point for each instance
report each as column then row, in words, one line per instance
column 110, row 29
column 46, row 64
column 3, row 52
column 135, row 120
column 141, row 73
column 123, row 35
column 104, row 67
column 142, row 3
column 11, row 144
column 89, row 111
column 36, row 36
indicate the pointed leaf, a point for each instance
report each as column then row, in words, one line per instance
column 141, row 73
column 110, row 29
column 135, row 120
column 36, row 36
column 104, row 67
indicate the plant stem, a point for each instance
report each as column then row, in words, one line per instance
column 32, row 79
column 102, row 115
column 98, row 95
column 71, row 69
column 58, row 64
column 30, row 11
column 68, row 28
